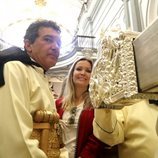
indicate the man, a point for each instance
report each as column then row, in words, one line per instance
column 24, row 89
column 134, row 128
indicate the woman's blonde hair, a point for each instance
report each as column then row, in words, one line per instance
column 69, row 97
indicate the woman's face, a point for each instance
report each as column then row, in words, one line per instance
column 82, row 73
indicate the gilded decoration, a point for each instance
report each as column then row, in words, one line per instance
column 40, row 3
column 113, row 79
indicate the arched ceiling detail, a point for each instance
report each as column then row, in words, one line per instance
column 18, row 14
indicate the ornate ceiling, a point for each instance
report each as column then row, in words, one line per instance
column 18, row 14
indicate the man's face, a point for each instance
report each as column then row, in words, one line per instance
column 46, row 48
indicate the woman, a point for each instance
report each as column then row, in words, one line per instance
column 75, row 110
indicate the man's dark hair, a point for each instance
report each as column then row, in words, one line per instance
column 32, row 31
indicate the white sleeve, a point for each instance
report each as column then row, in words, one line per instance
column 108, row 127
column 16, row 122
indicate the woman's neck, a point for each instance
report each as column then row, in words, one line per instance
column 79, row 98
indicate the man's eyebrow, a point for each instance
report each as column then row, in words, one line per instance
column 51, row 36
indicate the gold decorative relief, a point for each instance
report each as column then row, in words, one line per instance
column 40, row 3
column 114, row 75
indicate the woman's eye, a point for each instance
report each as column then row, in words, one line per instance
column 89, row 71
column 86, row 70
column 78, row 69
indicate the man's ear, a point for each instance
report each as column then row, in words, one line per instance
column 27, row 45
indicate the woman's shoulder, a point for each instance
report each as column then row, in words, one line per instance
column 59, row 107
column 87, row 114
column 59, row 101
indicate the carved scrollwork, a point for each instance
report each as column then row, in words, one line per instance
column 114, row 75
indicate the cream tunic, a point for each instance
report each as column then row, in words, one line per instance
column 26, row 90
column 135, row 127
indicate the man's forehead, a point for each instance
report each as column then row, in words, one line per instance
column 48, row 31
column 54, row 36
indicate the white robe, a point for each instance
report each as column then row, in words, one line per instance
column 26, row 89
column 134, row 128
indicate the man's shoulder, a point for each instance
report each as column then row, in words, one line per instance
column 15, row 64
column 18, row 68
